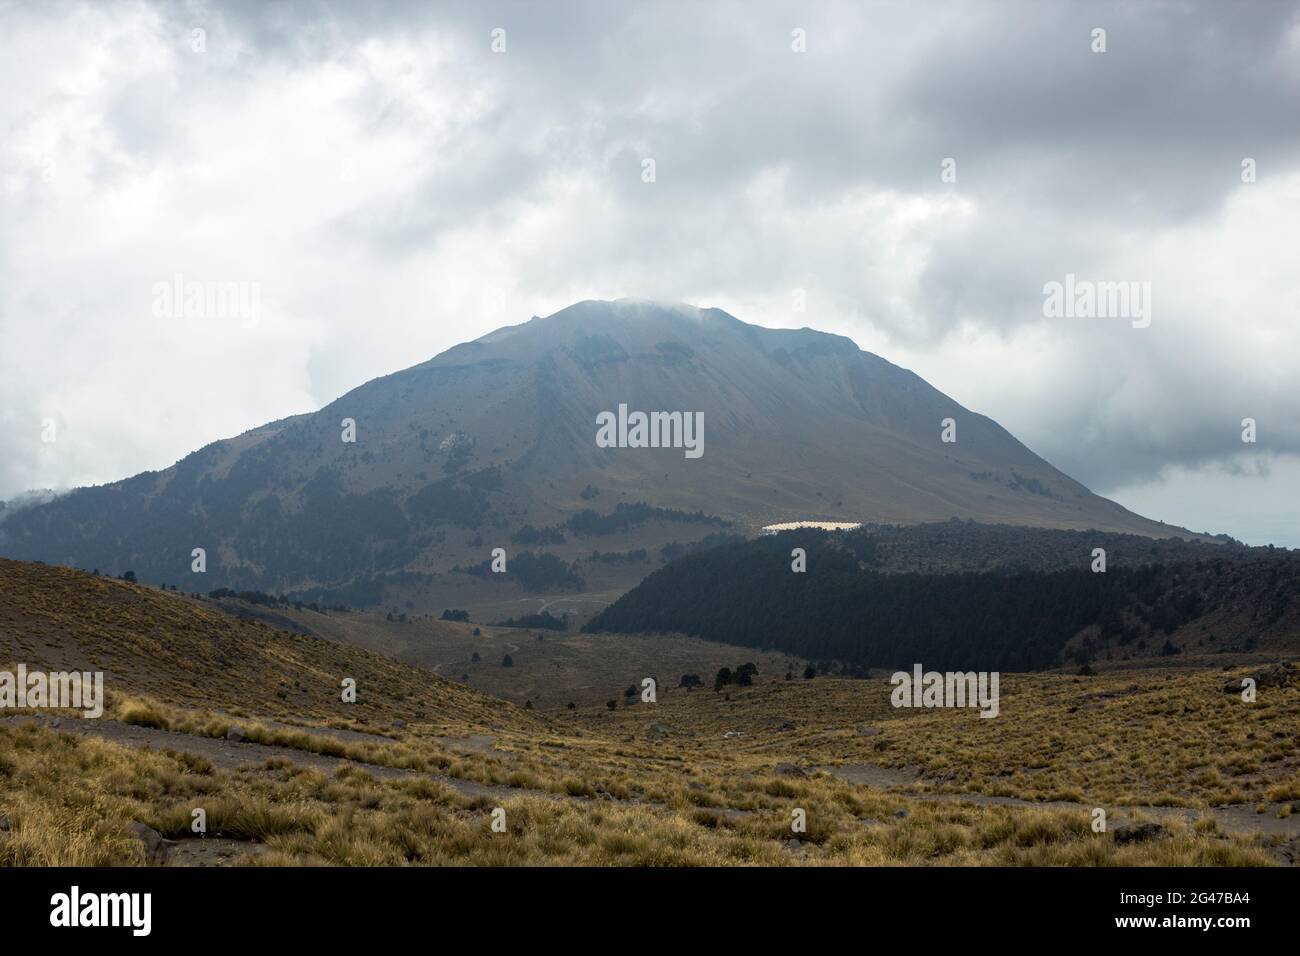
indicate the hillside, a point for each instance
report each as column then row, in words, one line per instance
column 493, row 444
column 149, row 642
column 968, row 596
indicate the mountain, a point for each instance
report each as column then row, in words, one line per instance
column 492, row 444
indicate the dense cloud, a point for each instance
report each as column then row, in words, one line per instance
column 395, row 187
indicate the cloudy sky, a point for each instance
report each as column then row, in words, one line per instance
column 391, row 185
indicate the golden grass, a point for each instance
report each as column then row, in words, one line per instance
column 71, row 799
column 647, row 784
column 1147, row 737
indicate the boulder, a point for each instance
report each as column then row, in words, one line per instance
column 235, row 733
column 789, row 770
column 155, row 847
column 1275, row 675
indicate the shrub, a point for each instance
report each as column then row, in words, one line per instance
column 143, row 713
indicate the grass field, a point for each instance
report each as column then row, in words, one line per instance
column 797, row 772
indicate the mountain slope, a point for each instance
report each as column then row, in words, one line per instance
column 190, row 655
column 973, row 597
column 455, row 456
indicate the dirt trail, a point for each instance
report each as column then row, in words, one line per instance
column 232, row 755
column 211, row 851
column 1234, row 818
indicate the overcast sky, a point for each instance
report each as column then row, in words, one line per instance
column 393, row 186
